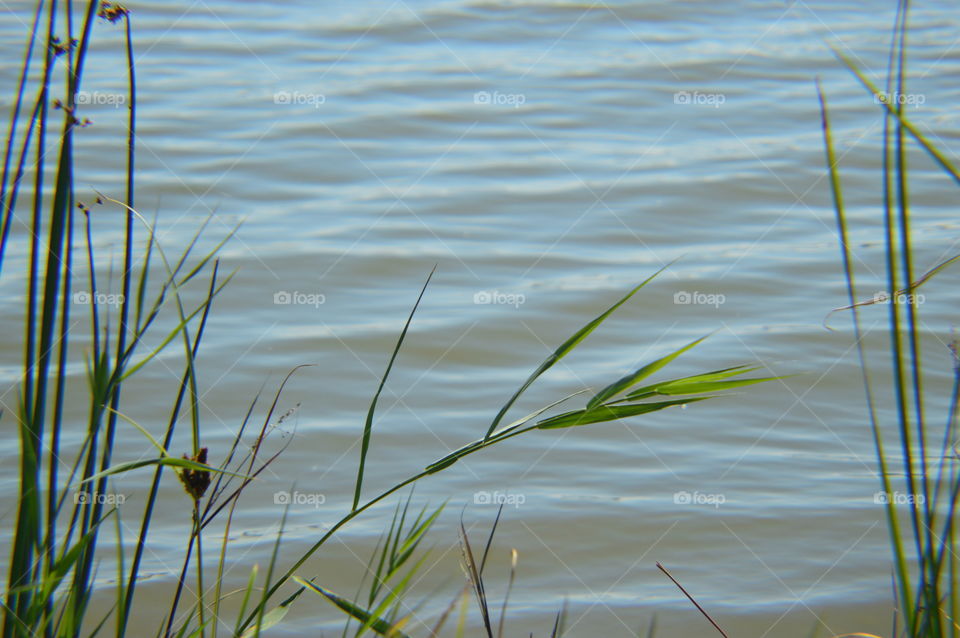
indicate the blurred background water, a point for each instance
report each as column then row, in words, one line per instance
column 546, row 156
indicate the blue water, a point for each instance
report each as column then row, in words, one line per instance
column 545, row 157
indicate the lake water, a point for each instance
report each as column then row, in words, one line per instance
column 545, row 156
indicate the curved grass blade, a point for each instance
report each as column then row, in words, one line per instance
column 154, row 442
column 899, row 555
column 247, row 591
column 271, row 618
column 700, row 383
column 394, row 595
column 673, row 389
column 163, row 460
column 881, row 298
column 378, row 625
column 716, row 375
column 938, row 156
column 506, row 432
column 368, row 424
column 609, row 413
column 630, row 380
column 474, row 572
column 565, row 349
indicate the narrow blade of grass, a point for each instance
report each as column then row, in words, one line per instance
column 900, row 561
column 368, row 424
column 609, row 413
column 378, row 625
column 882, row 99
column 716, row 375
column 564, row 350
column 630, row 380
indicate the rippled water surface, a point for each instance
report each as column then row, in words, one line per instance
column 545, row 156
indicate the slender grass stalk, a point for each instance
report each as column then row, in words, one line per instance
column 564, row 350
column 123, row 329
column 368, row 424
column 506, row 596
column 928, row 607
column 28, row 512
column 899, row 554
column 702, row 611
column 158, row 472
column 474, row 569
column 63, row 194
column 8, row 192
column 560, row 622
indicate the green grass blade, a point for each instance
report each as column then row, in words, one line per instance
column 154, row 442
column 378, row 625
column 394, row 593
column 270, row 619
column 630, row 380
column 412, row 540
column 8, row 196
column 499, row 435
column 177, row 330
column 609, row 413
column 716, row 375
column 247, row 593
column 172, row 461
column 368, row 424
column 938, row 156
column 694, row 386
column 51, row 579
column 899, row 554
column 564, row 350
